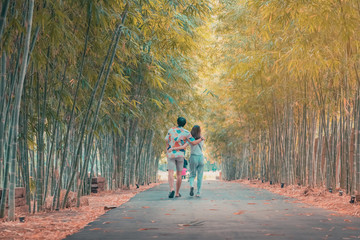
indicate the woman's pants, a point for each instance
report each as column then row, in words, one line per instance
column 196, row 168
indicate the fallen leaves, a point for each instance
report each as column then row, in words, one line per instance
column 239, row 212
column 192, row 224
column 305, row 214
column 128, row 218
column 146, row 229
column 59, row 224
column 351, row 228
column 318, row 197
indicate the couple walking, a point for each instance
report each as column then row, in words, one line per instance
column 177, row 139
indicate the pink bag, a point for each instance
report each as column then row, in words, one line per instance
column 183, row 172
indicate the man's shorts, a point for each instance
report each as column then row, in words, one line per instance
column 177, row 163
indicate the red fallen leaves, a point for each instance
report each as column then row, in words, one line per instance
column 318, row 197
column 351, row 228
column 239, row 212
column 347, row 220
column 128, row 218
column 251, row 203
column 305, row 214
column 145, row 207
column 145, row 229
column 59, row 224
column 95, row 229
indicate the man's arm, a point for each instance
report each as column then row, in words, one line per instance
column 192, row 140
column 179, row 148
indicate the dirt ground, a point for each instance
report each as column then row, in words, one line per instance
column 59, row 224
column 317, row 197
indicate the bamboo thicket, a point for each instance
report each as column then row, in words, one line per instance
column 287, row 81
column 86, row 90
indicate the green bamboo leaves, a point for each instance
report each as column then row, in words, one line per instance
column 289, row 70
column 84, row 91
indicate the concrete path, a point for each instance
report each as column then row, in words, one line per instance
column 225, row 211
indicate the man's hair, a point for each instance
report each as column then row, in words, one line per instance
column 181, row 121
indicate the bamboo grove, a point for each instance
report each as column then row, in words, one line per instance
column 286, row 74
column 87, row 89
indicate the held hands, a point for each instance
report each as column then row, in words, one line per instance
column 202, row 138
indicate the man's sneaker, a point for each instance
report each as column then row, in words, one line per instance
column 171, row 194
column 192, row 191
column 197, row 195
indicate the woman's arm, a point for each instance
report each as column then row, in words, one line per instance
column 179, row 148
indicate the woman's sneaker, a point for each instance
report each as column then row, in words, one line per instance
column 192, row 191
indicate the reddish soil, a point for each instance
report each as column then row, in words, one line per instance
column 59, row 224
column 317, row 197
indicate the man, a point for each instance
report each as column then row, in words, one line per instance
column 176, row 137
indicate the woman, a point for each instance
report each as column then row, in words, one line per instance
column 196, row 160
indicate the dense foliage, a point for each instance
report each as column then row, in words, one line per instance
column 88, row 88
column 287, row 77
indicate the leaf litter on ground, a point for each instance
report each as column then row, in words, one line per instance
column 318, row 197
column 59, row 224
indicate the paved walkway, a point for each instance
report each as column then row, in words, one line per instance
column 225, row 211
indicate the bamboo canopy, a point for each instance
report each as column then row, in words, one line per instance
column 88, row 90
column 286, row 77
column 84, row 87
